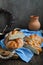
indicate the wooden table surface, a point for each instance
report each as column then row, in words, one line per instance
column 36, row 60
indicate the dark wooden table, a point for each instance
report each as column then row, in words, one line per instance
column 36, row 60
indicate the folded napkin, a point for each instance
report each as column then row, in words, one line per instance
column 24, row 53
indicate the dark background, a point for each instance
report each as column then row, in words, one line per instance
column 21, row 10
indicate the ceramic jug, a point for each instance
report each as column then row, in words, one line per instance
column 34, row 23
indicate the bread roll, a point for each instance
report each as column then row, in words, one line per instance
column 14, row 39
column 14, row 44
column 33, row 42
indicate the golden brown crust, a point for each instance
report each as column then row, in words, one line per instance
column 19, row 42
column 14, row 44
column 13, row 32
column 34, row 41
column 11, row 45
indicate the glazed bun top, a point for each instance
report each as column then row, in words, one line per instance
column 15, row 34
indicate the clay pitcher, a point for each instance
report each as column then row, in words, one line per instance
column 34, row 23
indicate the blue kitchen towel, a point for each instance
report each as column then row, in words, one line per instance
column 24, row 53
column 28, row 32
column 2, row 44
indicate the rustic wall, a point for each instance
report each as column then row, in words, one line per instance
column 22, row 9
